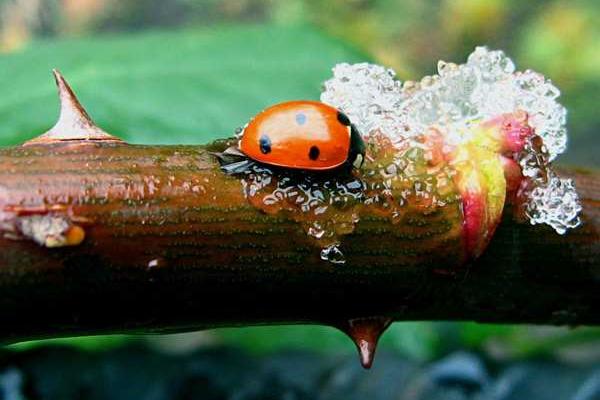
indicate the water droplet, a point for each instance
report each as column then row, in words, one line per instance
column 333, row 254
column 316, row 231
column 554, row 203
column 158, row 262
column 365, row 333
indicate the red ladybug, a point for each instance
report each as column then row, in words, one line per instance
column 302, row 134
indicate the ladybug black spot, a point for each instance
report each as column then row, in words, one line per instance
column 265, row 144
column 343, row 118
column 313, row 153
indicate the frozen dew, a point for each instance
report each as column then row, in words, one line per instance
column 554, row 203
column 316, row 230
column 333, row 254
column 493, row 65
column 323, row 206
column 548, row 117
column 454, row 101
column 484, row 87
column 368, row 93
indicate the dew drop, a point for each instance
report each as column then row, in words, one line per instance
column 333, row 254
column 554, row 203
column 156, row 263
column 365, row 333
column 316, row 230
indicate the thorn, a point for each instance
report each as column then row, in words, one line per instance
column 365, row 333
column 74, row 123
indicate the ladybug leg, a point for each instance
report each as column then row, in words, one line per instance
column 237, row 167
column 229, row 155
column 233, row 161
column 234, row 151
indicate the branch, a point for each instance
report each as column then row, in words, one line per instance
column 101, row 236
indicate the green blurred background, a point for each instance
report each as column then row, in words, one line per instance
column 188, row 71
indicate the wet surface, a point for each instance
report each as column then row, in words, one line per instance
column 396, row 184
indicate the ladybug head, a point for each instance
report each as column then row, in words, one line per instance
column 356, row 152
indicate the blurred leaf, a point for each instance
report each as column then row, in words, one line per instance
column 414, row 340
column 267, row 339
column 83, row 342
column 533, row 341
column 178, row 87
column 562, row 42
column 475, row 335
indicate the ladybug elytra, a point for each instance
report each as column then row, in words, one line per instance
column 302, row 134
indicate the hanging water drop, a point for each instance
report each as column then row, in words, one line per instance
column 365, row 333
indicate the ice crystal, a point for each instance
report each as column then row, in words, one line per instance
column 555, row 203
column 322, row 205
column 333, row 254
column 456, row 99
column 369, row 94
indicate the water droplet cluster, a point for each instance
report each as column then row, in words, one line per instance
column 325, row 206
column 555, row 203
column 454, row 101
column 392, row 184
column 369, row 94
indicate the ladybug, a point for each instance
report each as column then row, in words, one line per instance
column 303, row 134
